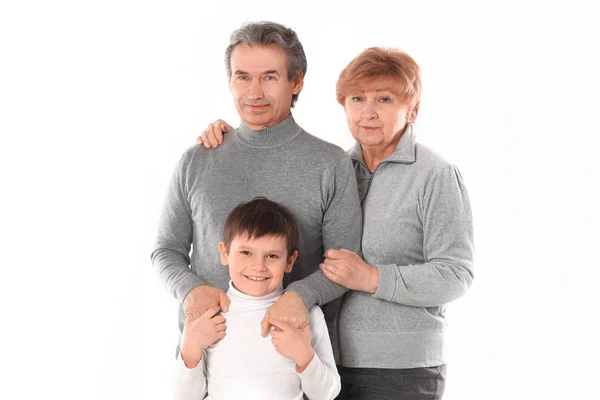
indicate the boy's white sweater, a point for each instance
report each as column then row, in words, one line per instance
column 246, row 365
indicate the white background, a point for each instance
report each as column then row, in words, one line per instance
column 98, row 99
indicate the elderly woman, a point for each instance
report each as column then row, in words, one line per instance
column 417, row 239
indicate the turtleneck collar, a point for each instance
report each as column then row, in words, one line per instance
column 233, row 293
column 270, row 137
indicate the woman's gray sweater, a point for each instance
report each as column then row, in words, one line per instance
column 418, row 233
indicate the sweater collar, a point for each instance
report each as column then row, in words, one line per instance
column 405, row 149
column 233, row 293
column 269, row 137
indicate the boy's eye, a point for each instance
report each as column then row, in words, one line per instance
column 245, row 252
column 273, row 256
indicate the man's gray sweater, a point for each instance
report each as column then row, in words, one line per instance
column 284, row 163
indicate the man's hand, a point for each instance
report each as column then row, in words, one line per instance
column 212, row 136
column 290, row 308
column 203, row 297
column 201, row 333
column 293, row 343
column 346, row 268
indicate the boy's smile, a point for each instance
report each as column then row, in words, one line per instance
column 257, row 265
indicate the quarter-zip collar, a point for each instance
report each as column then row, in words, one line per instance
column 405, row 149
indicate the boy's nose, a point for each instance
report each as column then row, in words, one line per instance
column 259, row 265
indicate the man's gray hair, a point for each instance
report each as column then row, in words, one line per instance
column 267, row 33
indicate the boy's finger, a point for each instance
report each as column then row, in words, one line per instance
column 265, row 325
column 211, row 312
column 275, row 334
column 224, row 301
column 284, row 326
column 221, row 327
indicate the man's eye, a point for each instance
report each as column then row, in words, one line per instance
column 242, row 77
column 269, row 78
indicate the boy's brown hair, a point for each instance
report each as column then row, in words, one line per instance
column 261, row 217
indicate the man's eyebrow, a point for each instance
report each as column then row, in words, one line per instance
column 239, row 72
column 271, row 71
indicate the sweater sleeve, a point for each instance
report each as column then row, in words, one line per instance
column 189, row 383
column 341, row 228
column 448, row 248
column 171, row 251
column 320, row 380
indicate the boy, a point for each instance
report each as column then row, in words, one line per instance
column 260, row 240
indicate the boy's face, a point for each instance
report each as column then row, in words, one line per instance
column 257, row 265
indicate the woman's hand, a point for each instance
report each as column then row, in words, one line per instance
column 212, row 136
column 346, row 268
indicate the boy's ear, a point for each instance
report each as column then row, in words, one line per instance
column 223, row 251
column 290, row 262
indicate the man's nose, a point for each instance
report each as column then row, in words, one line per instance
column 256, row 91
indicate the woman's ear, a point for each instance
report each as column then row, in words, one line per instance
column 290, row 262
column 223, row 251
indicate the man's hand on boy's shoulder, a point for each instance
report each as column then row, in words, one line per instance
column 293, row 343
column 203, row 297
column 201, row 333
column 289, row 308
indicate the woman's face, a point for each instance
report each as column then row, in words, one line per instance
column 376, row 117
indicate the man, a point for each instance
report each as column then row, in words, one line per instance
column 269, row 155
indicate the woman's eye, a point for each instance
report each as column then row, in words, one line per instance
column 356, row 98
column 385, row 100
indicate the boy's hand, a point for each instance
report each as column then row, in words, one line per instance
column 293, row 343
column 201, row 333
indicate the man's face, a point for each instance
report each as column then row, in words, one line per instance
column 256, row 266
column 260, row 87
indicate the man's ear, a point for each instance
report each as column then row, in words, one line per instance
column 298, row 84
column 290, row 262
column 223, row 251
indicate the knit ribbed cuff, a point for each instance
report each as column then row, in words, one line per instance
column 308, row 294
column 386, row 287
column 183, row 288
